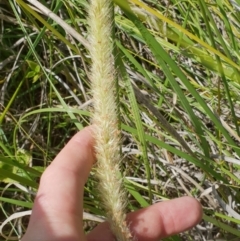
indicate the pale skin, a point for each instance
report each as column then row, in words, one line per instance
column 58, row 207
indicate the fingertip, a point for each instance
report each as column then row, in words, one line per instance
column 84, row 139
column 196, row 208
column 179, row 215
column 166, row 218
column 78, row 154
column 157, row 221
column 87, row 132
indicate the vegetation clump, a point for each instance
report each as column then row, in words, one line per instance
column 178, row 101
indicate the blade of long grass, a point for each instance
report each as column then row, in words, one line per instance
column 221, row 225
column 205, row 166
column 123, row 3
column 46, row 25
column 2, row 116
column 228, row 27
column 207, row 15
column 16, row 202
column 14, row 163
column 78, row 125
column 135, row 109
column 138, row 197
column 227, row 218
column 162, row 57
column 3, row 146
column 137, row 65
column 24, row 181
column 187, row 49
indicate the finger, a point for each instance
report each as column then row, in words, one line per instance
column 58, row 205
column 157, row 221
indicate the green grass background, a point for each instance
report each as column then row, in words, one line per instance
column 178, row 92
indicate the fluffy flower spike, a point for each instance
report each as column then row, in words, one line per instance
column 105, row 116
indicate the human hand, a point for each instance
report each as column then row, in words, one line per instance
column 58, row 207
